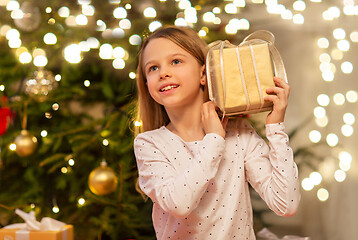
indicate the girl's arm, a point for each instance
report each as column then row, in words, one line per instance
column 177, row 191
column 272, row 171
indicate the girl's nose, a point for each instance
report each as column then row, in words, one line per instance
column 164, row 73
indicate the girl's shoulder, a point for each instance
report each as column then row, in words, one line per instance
column 239, row 123
column 152, row 134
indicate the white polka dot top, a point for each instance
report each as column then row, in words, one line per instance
column 200, row 189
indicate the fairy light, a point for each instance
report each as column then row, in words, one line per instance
column 354, row 36
column 340, row 175
column 347, row 67
column 135, row 39
column 55, row 209
column 316, row 178
column 180, row 22
column 40, row 61
column 73, row 53
column 71, row 21
column 347, row 130
column 343, row 45
column 81, row 20
column 50, row 39
column 154, row 26
column 64, row 170
column 299, row 5
column 2, row 88
column 101, row 26
column 323, row 42
column 322, row 194
column 12, row 5
column 87, row 83
column 43, row 133
column 118, row 63
column 71, row 162
column 105, row 142
column 125, row 23
column 81, row 201
column 184, row 4
column 339, row 99
column 209, row 17
column 150, row 12
column 352, row 96
column 12, row 147
column 349, row 118
column 323, row 100
column 337, row 54
column 230, row 8
column 339, row 33
column 307, row 184
column 55, row 106
column 58, row 77
column 88, row 10
column 132, row 75
column 315, row 136
column 120, row 13
column 25, row 57
column 319, row 112
column 137, row 123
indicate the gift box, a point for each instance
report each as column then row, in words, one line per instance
column 47, row 229
column 66, row 233
column 238, row 76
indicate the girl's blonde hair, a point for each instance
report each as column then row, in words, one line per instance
column 151, row 114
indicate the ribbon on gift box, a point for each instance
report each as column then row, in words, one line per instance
column 31, row 224
column 266, row 234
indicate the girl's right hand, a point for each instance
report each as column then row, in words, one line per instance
column 211, row 121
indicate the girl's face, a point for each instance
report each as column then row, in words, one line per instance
column 173, row 75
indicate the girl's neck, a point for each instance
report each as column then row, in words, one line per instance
column 186, row 122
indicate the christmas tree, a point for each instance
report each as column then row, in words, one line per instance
column 67, row 74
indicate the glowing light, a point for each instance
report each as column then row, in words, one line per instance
column 88, row 10
column 216, row 10
column 105, row 142
column 25, row 57
column 343, row 45
column 2, row 88
column 132, row 75
column 118, row 63
column 354, row 36
column 316, row 178
column 287, row 14
column 352, row 96
column 154, row 26
column 101, row 26
column 323, row 99
column 345, row 160
column 93, row 42
column 298, row 19
column 81, row 201
column 324, row 57
column 81, row 20
column 137, row 123
column 55, row 209
column 319, row 112
column 40, row 61
column 209, row 17
column 349, row 118
column 135, row 39
column 339, row 99
column 120, row 12
column 71, row 162
column 347, row 67
column 180, row 22
column 87, row 83
column 184, row 4
column 340, row 175
column 299, row 5
column 43, row 133
column 64, row 12
column 337, row 54
column 150, row 12
column 339, row 33
column 202, row 33
column 118, row 32
column 12, row 147
column 64, row 170
column 12, row 34
column 105, row 51
column 315, row 136
column 58, row 77
column 323, row 43
column 119, row 52
column 322, row 194
column 307, row 184
column 73, row 53
column 55, row 106
column 347, row 130
column 12, row 5
column 332, row 140
column 230, row 8
column 125, row 24
column 50, row 39
column 239, row 3
column 322, row 122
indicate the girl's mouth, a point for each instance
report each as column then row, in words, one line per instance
column 169, row 87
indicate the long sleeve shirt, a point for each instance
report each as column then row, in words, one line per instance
column 200, row 189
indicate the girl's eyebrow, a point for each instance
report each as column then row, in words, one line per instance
column 169, row 56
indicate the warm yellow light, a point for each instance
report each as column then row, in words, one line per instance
column 347, row 130
column 2, row 88
column 322, row 194
column 81, row 201
column 339, row 99
column 316, row 178
column 132, row 75
column 105, row 142
column 314, row 136
column 323, row 99
column 340, row 175
column 125, row 24
column 150, row 12
column 332, row 139
column 339, row 33
column 137, row 123
column 12, row 147
column 323, row 43
column 352, row 96
column 119, row 63
column 73, row 53
column 81, row 20
column 25, row 57
column 55, row 106
column 135, row 39
column 40, row 61
column 55, row 209
column 50, row 39
column 154, row 26
column 319, row 112
column 298, row 19
column 307, row 184
column 87, row 83
column 64, row 12
column 71, row 162
column 349, row 118
column 43, row 133
column 120, row 13
column 322, row 122
column 347, row 67
column 64, row 170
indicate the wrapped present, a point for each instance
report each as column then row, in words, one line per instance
column 238, row 76
column 265, row 234
column 47, row 229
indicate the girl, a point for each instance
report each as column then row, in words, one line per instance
column 195, row 167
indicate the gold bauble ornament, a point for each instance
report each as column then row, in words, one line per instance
column 102, row 180
column 26, row 144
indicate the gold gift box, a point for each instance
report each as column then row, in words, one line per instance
column 66, row 233
column 238, row 76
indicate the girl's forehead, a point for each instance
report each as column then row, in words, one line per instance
column 162, row 47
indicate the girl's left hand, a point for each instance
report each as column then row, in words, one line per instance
column 279, row 97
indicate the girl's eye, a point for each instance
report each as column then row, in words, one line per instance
column 176, row 61
column 152, row 68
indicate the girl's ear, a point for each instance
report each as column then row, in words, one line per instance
column 203, row 75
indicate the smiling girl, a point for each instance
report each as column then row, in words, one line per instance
column 193, row 165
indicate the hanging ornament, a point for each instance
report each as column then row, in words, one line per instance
column 41, row 84
column 26, row 143
column 30, row 18
column 5, row 115
column 102, row 180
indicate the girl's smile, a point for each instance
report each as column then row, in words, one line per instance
column 173, row 74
